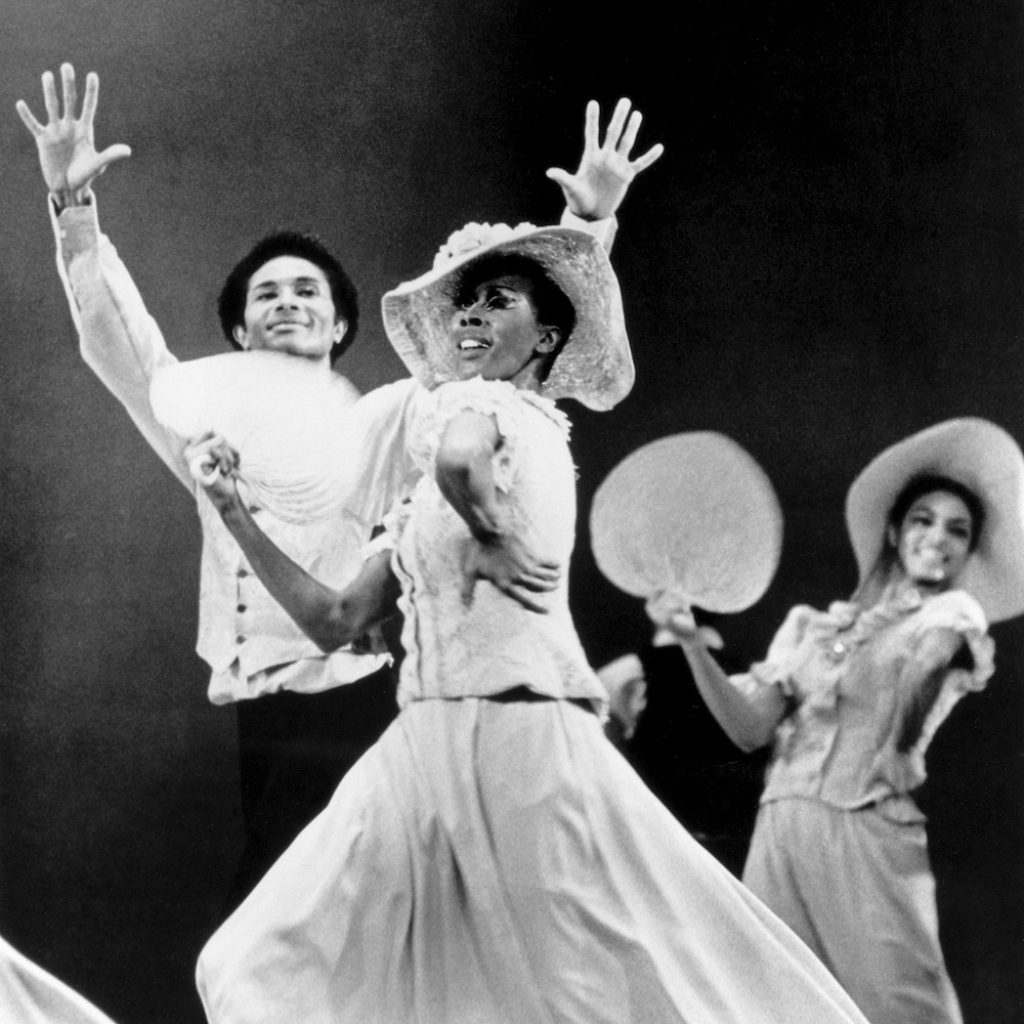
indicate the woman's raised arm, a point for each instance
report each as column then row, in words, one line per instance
column 748, row 719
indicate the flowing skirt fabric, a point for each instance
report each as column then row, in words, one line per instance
column 30, row 995
column 491, row 862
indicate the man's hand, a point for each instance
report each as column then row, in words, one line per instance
column 514, row 570
column 606, row 171
column 67, row 153
column 213, row 463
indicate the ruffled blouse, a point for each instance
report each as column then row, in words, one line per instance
column 854, row 690
column 491, row 644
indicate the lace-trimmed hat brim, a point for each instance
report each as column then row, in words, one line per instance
column 978, row 455
column 595, row 365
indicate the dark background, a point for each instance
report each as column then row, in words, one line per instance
column 828, row 257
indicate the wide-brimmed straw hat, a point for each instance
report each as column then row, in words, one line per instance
column 595, row 365
column 981, row 457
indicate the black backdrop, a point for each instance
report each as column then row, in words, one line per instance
column 827, row 258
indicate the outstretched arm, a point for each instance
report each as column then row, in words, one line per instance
column 330, row 618
column 66, row 144
column 118, row 338
column 464, row 473
column 606, row 168
column 922, row 677
column 749, row 723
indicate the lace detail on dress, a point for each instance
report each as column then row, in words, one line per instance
column 394, row 523
column 846, row 625
column 498, row 398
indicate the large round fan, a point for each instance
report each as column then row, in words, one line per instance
column 692, row 513
column 286, row 418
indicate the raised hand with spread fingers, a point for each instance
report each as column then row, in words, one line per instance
column 67, row 149
column 606, row 168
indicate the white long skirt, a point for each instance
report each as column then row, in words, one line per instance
column 30, row 995
column 493, row 862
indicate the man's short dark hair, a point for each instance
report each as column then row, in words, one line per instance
column 231, row 303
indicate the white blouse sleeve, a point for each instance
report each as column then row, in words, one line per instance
column 500, row 400
column 775, row 669
column 958, row 611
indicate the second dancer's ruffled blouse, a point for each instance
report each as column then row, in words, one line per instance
column 854, row 735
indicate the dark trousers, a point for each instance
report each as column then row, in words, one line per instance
column 294, row 749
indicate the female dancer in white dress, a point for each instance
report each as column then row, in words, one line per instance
column 850, row 698
column 493, row 858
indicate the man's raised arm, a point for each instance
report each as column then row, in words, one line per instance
column 118, row 338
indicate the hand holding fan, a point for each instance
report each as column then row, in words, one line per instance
column 284, row 415
column 691, row 514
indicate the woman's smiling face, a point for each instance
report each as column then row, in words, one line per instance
column 496, row 333
column 934, row 539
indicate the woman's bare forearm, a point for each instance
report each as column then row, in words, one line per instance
column 464, row 473
column 330, row 618
column 749, row 724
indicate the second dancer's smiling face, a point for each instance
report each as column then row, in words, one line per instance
column 289, row 308
column 935, row 539
column 496, row 333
